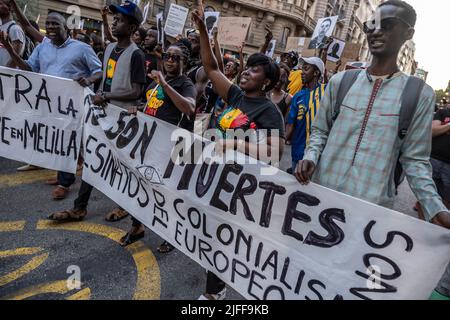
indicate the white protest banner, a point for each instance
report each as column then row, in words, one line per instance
column 176, row 20
column 40, row 119
column 265, row 235
column 233, row 30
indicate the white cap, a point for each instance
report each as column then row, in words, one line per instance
column 315, row 61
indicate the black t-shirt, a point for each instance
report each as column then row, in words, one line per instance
column 441, row 144
column 159, row 105
column 250, row 113
column 151, row 63
column 138, row 74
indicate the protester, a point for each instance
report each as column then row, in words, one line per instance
column 248, row 107
column 356, row 150
column 122, row 85
column 440, row 161
column 304, row 108
column 13, row 31
column 59, row 55
column 139, row 37
column 278, row 95
column 30, row 27
column 295, row 84
column 151, row 53
column 171, row 95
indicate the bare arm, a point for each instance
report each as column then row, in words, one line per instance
column 221, row 84
column 440, row 129
column 185, row 104
column 16, row 59
column 269, row 37
column 25, row 23
column 289, row 131
column 217, row 50
column 108, row 33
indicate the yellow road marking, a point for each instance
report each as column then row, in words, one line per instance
column 84, row 294
column 12, row 226
column 12, row 180
column 26, row 268
column 20, row 252
column 15, row 179
column 148, row 285
column 52, row 287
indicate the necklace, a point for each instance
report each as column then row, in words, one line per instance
column 118, row 51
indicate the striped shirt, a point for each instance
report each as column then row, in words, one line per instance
column 304, row 107
column 357, row 154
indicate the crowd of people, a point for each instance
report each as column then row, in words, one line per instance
column 343, row 127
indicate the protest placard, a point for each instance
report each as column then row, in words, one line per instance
column 267, row 236
column 324, row 29
column 335, row 50
column 40, row 119
column 271, row 48
column 176, row 20
column 233, row 30
column 300, row 45
column 211, row 21
column 159, row 26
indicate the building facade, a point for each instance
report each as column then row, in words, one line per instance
column 406, row 60
column 422, row 74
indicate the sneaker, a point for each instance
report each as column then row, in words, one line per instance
column 28, row 167
column 60, row 193
column 218, row 296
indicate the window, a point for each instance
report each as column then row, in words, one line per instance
column 285, row 35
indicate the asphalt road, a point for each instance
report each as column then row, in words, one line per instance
column 38, row 257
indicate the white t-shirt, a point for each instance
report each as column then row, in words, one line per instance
column 15, row 34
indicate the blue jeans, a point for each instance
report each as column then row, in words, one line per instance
column 65, row 179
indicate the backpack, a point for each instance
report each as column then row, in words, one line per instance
column 28, row 45
column 409, row 101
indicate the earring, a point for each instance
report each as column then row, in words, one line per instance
column 264, row 88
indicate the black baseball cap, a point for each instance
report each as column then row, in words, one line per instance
column 128, row 9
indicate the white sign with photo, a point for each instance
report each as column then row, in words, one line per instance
column 271, row 48
column 40, row 119
column 212, row 21
column 335, row 50
column 324, row 29
column 176, row 20
column 266, row 236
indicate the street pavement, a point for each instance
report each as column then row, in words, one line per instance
column 40, row 259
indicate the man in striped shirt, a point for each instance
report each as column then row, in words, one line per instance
column 304, row 107
column 356, row 153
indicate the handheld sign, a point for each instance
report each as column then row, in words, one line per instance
column 145, row 13
column 176, row 20
column 335, row 50
column 324, row 29
column 212, row 21
column 159, row 25
column 233, row 30
column 271, row 48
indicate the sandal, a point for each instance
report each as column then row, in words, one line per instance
column 165, row 247
column 116, row 215
column 68, row 215
column 131, row 238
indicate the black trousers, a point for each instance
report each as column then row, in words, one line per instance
column 213, row 284
column 81, row 202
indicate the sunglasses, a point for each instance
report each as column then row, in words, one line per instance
column 174, row 57
column 387, row 24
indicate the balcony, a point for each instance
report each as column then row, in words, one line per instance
column 280, row 8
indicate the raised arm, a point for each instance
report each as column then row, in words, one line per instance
column 104, row 12
column 25, row 23
column 217, row 49
column 269, row 37
column 221, row 84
